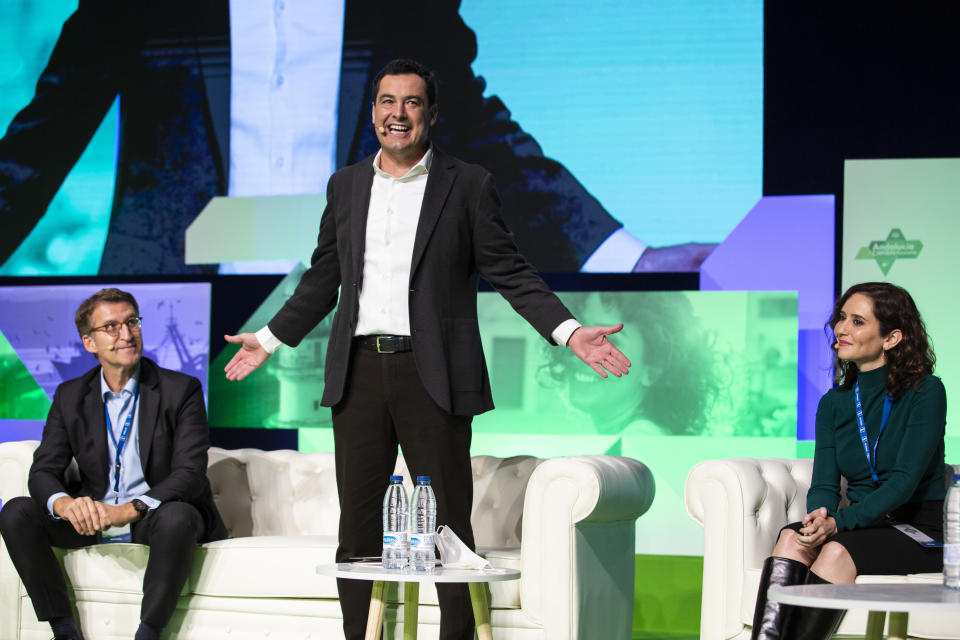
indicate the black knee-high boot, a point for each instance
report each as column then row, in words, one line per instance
column 769, row 617
column 808, row 623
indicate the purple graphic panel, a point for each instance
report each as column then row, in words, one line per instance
column 38, row 323
column 786, row 243
column 15, row 430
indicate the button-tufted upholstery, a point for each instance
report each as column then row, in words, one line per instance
column 742, row 503
column 566, row 523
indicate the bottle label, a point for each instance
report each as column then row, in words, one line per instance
column 951, row 553
column 422, row 541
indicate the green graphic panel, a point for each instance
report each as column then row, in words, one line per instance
column 666, row 600
column 704, row 363
column 901, row 219
column 21, row 398
column 284, row 393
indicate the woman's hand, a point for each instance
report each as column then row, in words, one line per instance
column 817, row 527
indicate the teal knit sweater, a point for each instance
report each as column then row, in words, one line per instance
column 909, row 461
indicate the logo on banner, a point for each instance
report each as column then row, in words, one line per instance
column 886, row 252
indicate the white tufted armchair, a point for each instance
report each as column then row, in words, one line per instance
column 566, row 523
column 742, row 503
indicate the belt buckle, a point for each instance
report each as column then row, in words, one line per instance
column 381, row 350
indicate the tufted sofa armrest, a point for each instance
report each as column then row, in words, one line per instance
column 741, row 503
column 578, row 527
column 15, row 461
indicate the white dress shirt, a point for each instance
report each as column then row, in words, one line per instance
column 392, row 221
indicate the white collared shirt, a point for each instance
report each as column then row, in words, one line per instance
column 392, row 220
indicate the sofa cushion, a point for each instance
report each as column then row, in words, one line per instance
column 265, row 567
column 111, row 568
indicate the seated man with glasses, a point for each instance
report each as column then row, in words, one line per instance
column 139, row 435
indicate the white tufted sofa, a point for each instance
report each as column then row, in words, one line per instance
column 566, row 523
column 742, row 503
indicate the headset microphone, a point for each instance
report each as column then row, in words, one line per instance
column 381, row 130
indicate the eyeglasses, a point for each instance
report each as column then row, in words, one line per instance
column 112, row 329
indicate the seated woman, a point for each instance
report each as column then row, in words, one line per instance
column 881, row 427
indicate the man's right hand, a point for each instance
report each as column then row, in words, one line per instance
column 85, row 514
column 250, row 356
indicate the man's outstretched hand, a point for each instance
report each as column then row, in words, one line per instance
column 250, row 356
column 590, row 344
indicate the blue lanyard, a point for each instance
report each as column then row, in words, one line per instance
column 872, row 461
column 124, row 434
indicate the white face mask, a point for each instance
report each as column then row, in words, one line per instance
column 456, row 555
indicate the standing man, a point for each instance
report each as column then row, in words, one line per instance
column 405, row 236
column 139, row 436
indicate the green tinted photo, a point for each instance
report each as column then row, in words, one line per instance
column 704, row 363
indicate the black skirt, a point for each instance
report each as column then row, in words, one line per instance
column 882, row 550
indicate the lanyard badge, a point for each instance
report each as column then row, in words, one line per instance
column 119, row 444
column 864, row 440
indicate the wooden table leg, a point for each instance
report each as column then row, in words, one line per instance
column 481, row 610
column 411, row 611
column 875, row 620
column 375, row 616
column 897, row 629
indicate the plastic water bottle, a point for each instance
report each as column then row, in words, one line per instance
column 951, row 535
column 395, row 525
column 424, row 516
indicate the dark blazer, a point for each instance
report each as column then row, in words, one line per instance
column 169, row 63
column 174, row 440
column 460, row 236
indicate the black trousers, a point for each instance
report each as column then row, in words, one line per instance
column 385, row 404
column 30, row 534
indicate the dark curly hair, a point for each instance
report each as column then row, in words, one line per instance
column 685, row 357
column 911, row 360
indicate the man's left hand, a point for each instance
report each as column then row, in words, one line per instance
column 590, row 344
column 117, row 515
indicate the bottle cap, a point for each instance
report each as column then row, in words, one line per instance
column 423, row 479
column 396, row 479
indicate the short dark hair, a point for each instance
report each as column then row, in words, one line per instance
column 910, row 361
column 402, row 66
column 86, row 308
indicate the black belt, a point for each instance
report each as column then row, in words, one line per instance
column 385, row 344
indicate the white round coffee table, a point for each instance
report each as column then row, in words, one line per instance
column 900, row 599
column 411, row 594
